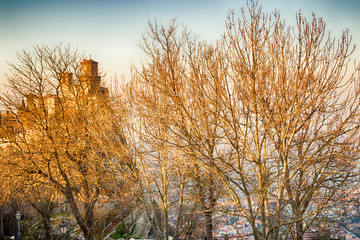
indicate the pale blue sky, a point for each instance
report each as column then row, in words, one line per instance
column 110, row 30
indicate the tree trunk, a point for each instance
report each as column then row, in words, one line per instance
column 210, row 211
column 86, row 225
column 89, row 216
column 47, row 227
column 1, row 226
column 299, row 230
column 209, row 225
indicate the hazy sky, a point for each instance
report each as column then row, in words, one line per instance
column 110, row 30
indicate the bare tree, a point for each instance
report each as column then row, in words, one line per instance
column 269, row 111
column 161, row 180
column 60, row 137
column 175, row 117
column 290, row 121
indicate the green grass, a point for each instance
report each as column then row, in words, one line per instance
column 121, row 232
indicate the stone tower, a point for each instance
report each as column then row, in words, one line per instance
column 90, row 74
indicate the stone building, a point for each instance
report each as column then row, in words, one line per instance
column 86, row 87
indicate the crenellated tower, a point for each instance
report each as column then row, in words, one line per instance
column 90, row 75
